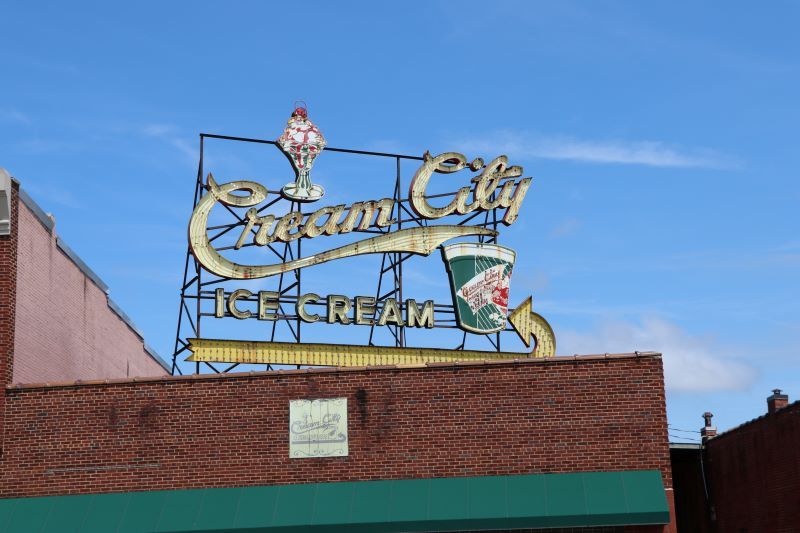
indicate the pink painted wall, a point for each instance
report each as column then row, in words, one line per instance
column 65, row 329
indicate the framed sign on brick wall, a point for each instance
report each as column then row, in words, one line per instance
column 318, row 428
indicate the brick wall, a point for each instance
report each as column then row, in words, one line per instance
column 565, row 415
column 8, row 295
column 65, row 329
column 754, row 474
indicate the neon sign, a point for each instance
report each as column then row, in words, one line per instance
column 479, row 272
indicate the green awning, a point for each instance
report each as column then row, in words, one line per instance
column 441, row 504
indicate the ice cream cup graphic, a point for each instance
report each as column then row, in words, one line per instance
column 480, row 276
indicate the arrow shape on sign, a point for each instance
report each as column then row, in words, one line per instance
column 313, row 354
column 529, row 324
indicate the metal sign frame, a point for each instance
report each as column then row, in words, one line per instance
column 199, row 284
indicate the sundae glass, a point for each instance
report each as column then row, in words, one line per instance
column 301, row 142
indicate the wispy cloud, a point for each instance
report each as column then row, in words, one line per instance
column 53, row 195
column 691, row 363
column 171, row 135
column 29, row 62
column 15, row 116
column 750, row 259
column 148, row 273
column 565, row 228
column 598, row 310
column 48, row 146
column 792, row 246
column 648, row 153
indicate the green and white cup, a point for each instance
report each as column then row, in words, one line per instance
column 480, row 276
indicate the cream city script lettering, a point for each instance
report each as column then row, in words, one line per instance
column 494, row 187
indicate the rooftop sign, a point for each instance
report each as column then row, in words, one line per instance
column 456, row 224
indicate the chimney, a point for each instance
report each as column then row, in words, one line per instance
column 777, row 401
column 708, row 431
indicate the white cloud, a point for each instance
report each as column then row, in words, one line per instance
column 170, row 134
column 691, row 363
column 47, row 146
column 649, row 153
column 158, row 130
column 50, row 194
column 565, row 228
column 15, row 116
column 150, row 274
column 792, row 246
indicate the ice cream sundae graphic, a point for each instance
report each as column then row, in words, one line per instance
column 301, row 141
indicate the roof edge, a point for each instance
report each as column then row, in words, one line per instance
column 155, row 355
column 48, row 223
column 75, row 258
column 124, row 316
column 36, row 209
column 743, row 425
column 320, row 370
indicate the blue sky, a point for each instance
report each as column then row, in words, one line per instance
column 661, row 138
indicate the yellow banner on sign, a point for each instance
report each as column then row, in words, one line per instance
column 290, row 353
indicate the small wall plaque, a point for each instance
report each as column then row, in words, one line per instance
column 318, row 428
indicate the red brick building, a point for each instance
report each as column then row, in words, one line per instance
column 58, row 322
column 746, row 479
column 565, row 442
column 753, row 472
